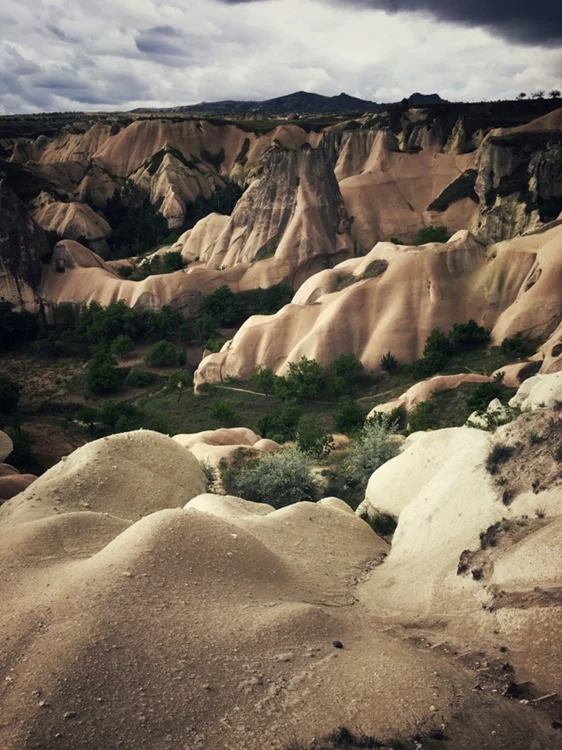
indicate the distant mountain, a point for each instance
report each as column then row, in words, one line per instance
column 421, row 100
column 302, row 102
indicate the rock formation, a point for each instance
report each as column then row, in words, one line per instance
column 391, row 300
column 23, row 245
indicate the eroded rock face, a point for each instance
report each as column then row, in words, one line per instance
column 22, row 246
column 294, row 212
column 519, row 183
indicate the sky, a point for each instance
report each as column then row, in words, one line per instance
column 64, row 55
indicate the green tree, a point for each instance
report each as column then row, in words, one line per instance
column 305, row 379
column 312, row 439
column 264, row 380
column 421, row 417
column 172, row 261
column 281, row 425
column 347, row 366
column 10, row 393
column 223, row 413
column 432, row 234
column 88, row 416
column 466, row 336
column 139, row 378
column 389, row 363
column 164, row 354
column 350, row 416
column 223, row 305
column 438, row 343
column 102, row 374
column 122, row 345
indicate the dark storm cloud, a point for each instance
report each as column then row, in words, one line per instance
column 538, row 22
column 161, row 40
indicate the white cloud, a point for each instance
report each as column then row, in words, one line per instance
column 62, row 55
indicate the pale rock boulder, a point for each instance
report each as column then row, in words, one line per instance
column 214, row 445
column 496, row 414
column 6, row 446
column 423, row 390
column 73, row 221
column 431, row 466
column 129, row 475
column 538, row 392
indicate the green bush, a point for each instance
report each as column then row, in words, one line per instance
column 125, row 272
column 88, row 416
column 279, row 479
column 223, row 413
column 432, row 234
column 389, row 363
column 10, row 393
column 517, row 347
column 264, row 381
column 347, row 366
column 122, row 345
column 139, row 378
column 480, row 398
column 372, row 450
column 305, row 379
column 438, row 343
column 172, row 261
column 214, row 345
column 102, row 374
column 281, row 425
column 312, row 439
column 164, row 354
column 421, row 417
column 223, row 306
column 16, row 328
column 466, row 336
column 22, row 454
column 350, row 416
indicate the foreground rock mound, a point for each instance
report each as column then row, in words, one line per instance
column 211, row 624
column 128, row 475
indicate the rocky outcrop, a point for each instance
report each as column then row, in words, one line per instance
column 519, row 183
column 23, row 245
column 73, row 221
column 393, row 298
column 294, row 213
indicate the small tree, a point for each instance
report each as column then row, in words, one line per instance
column 468, row 335
column 521, row 96
column 139, row 378
column 164, row 354
column 172, row 261
column 122, row 346
column 88, row 416
column 555, row 94
column 347, row 366
column 350, row 417
column 305, row 379
column 389, row 363
column 102, row 374
column 432, row 234
column 10, row 393
column 222, row 413
column 438, row 343
column 281, row 425
column 264, row 380
column 223, row 305
column 312, row 439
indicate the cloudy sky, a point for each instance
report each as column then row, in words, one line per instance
column 120, row 54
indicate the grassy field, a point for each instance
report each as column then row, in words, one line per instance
column 52, row 393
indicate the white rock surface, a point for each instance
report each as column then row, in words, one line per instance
column 538, row 392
